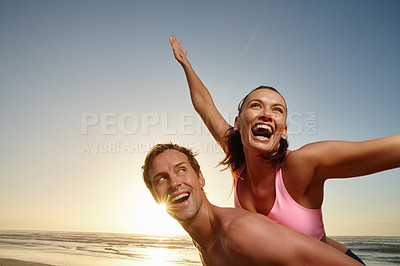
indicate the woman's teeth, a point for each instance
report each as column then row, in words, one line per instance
column 262, row 130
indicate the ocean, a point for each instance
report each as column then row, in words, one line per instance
column 100, row 249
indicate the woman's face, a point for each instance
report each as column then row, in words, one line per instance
column 262, row 121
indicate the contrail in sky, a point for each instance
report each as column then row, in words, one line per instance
column 255, row 31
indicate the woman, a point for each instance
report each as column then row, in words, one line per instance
column 287, row 186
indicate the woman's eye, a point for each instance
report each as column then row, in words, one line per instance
column 255, row 105
column 278, row 109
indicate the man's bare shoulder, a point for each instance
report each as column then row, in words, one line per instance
column 244, row 237
column 239, row 228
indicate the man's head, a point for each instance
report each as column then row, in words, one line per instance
column 159, row 148
column 173, row 176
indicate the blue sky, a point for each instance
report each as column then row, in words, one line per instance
column 64, row 62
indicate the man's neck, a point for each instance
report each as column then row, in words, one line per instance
column 200, row 228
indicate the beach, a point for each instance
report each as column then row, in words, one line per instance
column 100, row 249
column 13, row 262
column 39, row 248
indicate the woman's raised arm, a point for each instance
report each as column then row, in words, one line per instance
column 200, row 96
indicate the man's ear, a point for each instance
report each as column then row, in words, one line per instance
column 202, row 180
column 236, row 125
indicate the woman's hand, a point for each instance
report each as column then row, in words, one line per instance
column 200, row 96
column 180, row 56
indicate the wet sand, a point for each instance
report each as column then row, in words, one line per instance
column 12, row 262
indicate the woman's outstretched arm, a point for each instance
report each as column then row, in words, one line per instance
column 341, row 159
column 200, row 96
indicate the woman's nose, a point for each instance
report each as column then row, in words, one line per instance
column 265, row 115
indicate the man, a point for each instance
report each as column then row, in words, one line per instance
column 226, row 236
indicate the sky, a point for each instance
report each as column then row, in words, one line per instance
column 87, row 87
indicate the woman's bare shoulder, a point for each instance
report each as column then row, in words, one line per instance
column 305, row 154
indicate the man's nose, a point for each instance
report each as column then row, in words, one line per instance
column 175, row 182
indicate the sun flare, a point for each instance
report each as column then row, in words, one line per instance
column 157, row 220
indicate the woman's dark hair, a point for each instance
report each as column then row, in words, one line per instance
column 233, row 143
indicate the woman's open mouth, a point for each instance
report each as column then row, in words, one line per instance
column 262, row 131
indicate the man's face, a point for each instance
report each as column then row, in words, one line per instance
column 176, row 184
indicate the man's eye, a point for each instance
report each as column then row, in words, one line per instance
column 159, row 180
column 181, row 170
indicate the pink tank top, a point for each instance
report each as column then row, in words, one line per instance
column 288, row 212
